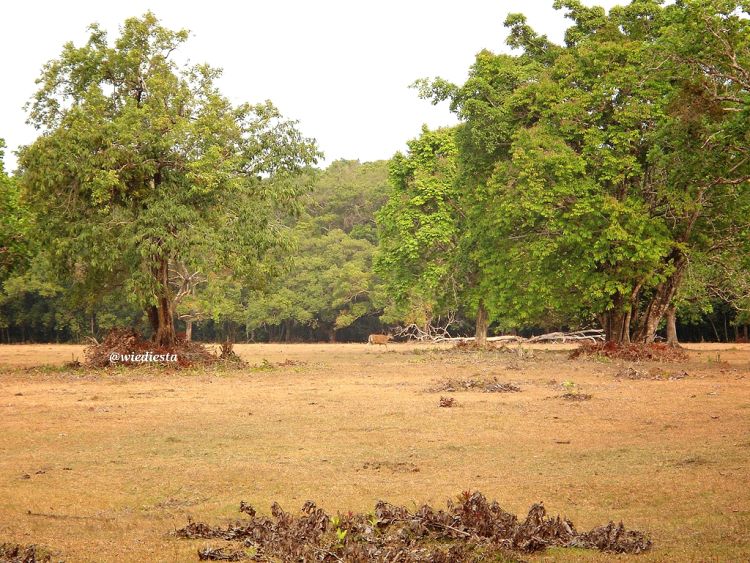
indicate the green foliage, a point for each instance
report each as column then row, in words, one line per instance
column 420, row 230
column 143, row 163
column 606, row 178
column 599, row 168
column 13, row 223
column 329, row 283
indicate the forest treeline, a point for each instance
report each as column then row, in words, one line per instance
column 602, row 182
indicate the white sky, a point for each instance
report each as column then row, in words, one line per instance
column 342, row 68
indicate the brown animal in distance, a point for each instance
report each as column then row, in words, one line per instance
column 383, row 339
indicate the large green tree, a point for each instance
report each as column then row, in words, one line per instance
column 604, row 164
column 426, row 246
column 142, row 165
column 329, row 284
column 13, row 222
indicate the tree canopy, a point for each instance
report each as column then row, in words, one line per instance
column 142, row 165
column 605, row 164
column 601, row 181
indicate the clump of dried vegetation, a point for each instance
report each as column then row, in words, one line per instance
column 654, row 375
column 575, row 396
column 493, row 347
column 447, row 402
column 470, row 529
column 16, row 553
column 451, row 385
column 228, row 354
column 573, row 392
column 656, row 352
column 125, row 341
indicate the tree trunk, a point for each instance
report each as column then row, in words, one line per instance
column 726, row 331
column 289, row 330
column 616, row 322
column 617, row 327
column 188, row 330
column 672, row 326
column 332, row 335
column 162, row 314
column 716, row 332
column 481, row 326
column 661, row 300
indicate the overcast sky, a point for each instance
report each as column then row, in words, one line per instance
column 342, row 68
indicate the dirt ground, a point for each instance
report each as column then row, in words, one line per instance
column 100, row 465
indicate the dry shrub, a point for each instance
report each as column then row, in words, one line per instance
column 447, row 402
column 228, row 354
column 471, row 529
column 15, row 553
column 575, row 396
column 125, row 341
column 657, row 352
column 451, row 385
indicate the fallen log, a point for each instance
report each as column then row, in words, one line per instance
column 590, row 335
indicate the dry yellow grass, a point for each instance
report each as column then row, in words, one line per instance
column 116, row 459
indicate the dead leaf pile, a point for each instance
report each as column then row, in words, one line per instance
column 469, row 529
column 447, row 402
column 124, row 341
column 15, row 553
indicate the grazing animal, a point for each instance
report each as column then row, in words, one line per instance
column 383, row 339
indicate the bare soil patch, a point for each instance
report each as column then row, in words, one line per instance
column 117, row 456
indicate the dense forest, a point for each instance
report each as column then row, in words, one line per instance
column 604, row 182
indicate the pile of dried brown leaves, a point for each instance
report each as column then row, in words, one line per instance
column 471, row 529
column 125, row 341
column 16, row 553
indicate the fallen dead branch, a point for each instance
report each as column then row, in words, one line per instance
column 436, row 331
column 589, row 335
column 470, row 529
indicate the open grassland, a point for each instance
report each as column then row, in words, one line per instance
column 101, row 465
